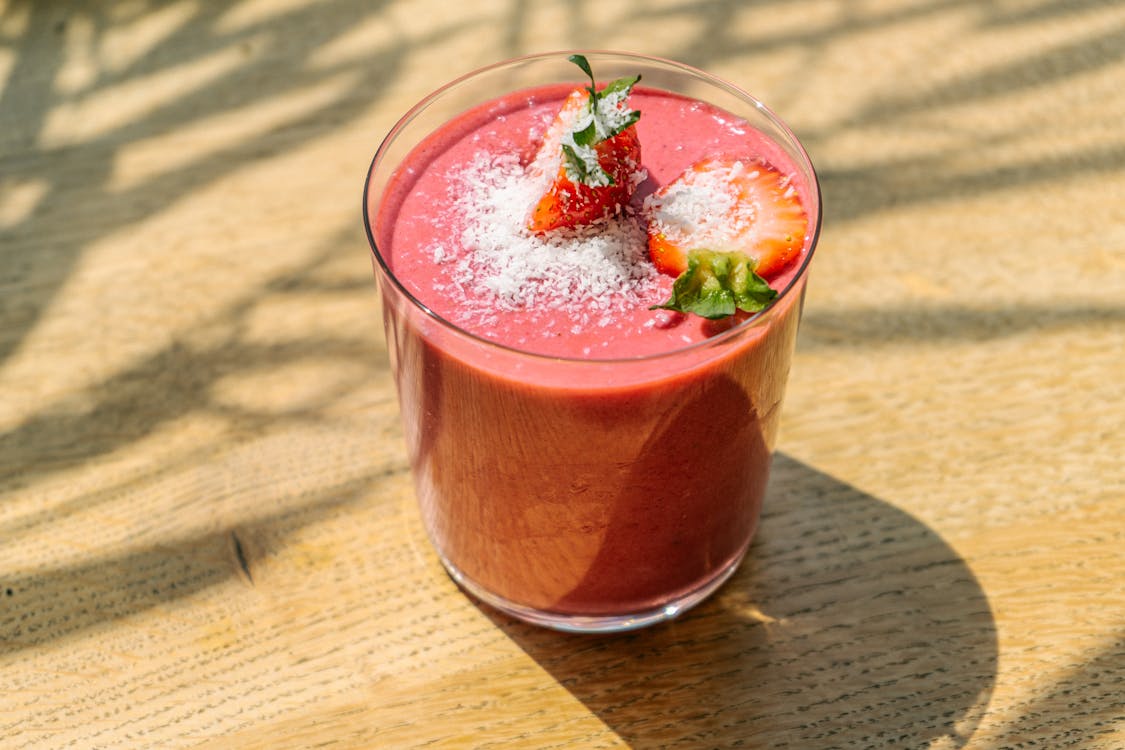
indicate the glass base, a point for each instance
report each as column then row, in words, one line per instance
column 573, row 623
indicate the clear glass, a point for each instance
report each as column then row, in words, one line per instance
column 586, row 495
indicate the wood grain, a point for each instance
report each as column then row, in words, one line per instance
column 208, row 533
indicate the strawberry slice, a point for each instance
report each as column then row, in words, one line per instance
column 727, row 205
column 590, row 154
column 720, row 227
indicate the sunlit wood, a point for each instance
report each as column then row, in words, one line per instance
column 207, row 526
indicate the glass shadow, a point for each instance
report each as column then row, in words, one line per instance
column 850, row 624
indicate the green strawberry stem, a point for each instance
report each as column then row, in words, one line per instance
column 606, row 114
column 716, row 284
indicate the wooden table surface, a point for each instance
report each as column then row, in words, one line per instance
column 207, row 527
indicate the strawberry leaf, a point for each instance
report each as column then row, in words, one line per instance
column 587, row 136
column 619, row 88
column 576, row 167
column 717, row 284
column 582, row 62
column 610, row 108
column 606, row 115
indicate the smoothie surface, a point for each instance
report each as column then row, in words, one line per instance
column 452, row 228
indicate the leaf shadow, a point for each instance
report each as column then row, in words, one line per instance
column 45, row 605
column 274, row 59
column 855, row 191
column 175, row 381
column 81, row 205
column 1085, row 708
column 930, row 323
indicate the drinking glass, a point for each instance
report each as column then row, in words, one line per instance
column 586, row 495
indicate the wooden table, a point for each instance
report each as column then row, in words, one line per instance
column 207, row 527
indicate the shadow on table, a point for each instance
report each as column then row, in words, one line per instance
column 850, row 624
column 56, row 602
column 921, row 322
column 1082, row 708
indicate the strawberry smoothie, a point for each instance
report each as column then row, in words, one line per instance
column 581, row 460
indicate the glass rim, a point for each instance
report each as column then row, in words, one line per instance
column 712, row 341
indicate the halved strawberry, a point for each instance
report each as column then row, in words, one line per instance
column 590, row 154
column 724, row 204
column 720, row 227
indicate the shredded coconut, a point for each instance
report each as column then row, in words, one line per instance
column 613, row 111
column 497, row 263
column 702, row 209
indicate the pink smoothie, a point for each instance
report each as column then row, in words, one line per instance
column 434, row 245
column 574, row 452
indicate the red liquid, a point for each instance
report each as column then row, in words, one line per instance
column 574, row 486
